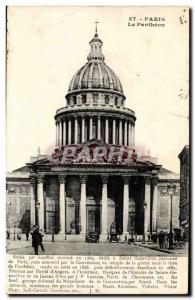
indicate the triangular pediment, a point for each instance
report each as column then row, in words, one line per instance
column 93, row 152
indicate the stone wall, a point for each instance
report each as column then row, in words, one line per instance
column 185, row 190
column 18, row 205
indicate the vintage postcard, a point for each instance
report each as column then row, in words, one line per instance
column 97, row 180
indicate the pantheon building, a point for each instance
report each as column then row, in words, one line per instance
column 94, row 180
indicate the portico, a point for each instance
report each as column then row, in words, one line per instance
column 91, row 202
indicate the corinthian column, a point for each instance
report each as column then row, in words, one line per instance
column 125, row 205
column 83, row 206
column 62, row 204
column 147, row 206
column 106, row 131
column 32, row 201
column 60, row 133
column 133, row 135
column 99, row 128
column 64, row 132
column 83, row 130
column 40, row 198
column 114, row 132
column 125, row 134
column 56, row 133
column 69, row 132
column 120, row 132
column 104, row 214
column 129, row 134
column 75, row 131
column 154, row 205
column 90, row 128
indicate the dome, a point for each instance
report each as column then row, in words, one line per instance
column 95, row 74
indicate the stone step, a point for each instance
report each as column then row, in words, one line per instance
column 63, row 237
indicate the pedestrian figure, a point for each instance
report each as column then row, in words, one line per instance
column 149, row 238
column 18, row 237
column 27, row 235
column 161, row 237
column 166, row 241
column 125, row 241
column 154, row 238
column 41, row 240
column 35, row 240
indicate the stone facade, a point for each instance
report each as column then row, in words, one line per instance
column 18, row 200
column 184, row 195
column 94, row 180
column 164, row 208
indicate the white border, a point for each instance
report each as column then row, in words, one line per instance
column 3, row 4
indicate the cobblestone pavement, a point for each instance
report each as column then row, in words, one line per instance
column 81, row 248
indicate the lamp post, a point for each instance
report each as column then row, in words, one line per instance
column 51, row 211
column 131, row 215
column 14, row 232
column 171, row 189
column 131, row 218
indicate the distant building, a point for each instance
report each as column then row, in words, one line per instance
column 184, row 193
column 164, row 204
column 18, row 200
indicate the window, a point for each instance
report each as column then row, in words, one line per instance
column 107, row 99
column 74, row 100
column 95, row 98
column 84, row 99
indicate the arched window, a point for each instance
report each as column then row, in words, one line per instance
column 84, row 98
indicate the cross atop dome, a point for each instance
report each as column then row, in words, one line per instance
column 96, row 47
column 96, row 27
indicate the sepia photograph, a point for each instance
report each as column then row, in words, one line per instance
column 97, row 117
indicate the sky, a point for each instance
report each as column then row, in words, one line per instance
column 47, row 45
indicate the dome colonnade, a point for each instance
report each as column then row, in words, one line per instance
column 84, row 127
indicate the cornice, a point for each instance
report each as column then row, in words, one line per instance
column 84, row 111
column 95, row 90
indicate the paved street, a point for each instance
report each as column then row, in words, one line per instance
column 81, row 248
